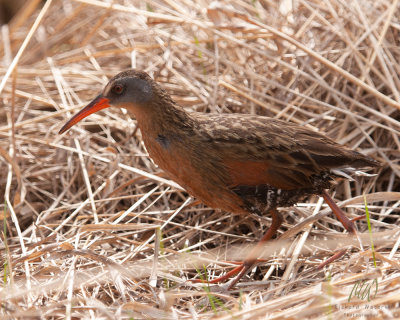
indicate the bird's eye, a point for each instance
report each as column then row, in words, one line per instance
column 117, row 89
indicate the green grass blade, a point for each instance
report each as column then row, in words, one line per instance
column 370, row 230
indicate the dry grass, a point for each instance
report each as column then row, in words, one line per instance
column 94, row 230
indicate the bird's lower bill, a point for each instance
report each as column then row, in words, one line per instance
column 97, row 104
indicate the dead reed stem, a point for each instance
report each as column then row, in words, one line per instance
column 82, row 210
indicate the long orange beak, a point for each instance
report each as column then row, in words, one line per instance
column 97, row 104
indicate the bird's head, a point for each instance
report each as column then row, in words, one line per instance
column 130, row 89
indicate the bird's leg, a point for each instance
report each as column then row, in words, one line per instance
column 256, row 251
column 336, row 256
column 251, row 259
column 347, row 224
column 340, row 253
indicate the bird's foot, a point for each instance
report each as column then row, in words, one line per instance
column 342, row 252
column 239, row 271
column 252, row 257
column 336, row 256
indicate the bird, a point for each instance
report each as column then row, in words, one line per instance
column 238, row 163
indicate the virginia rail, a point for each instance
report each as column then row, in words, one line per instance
column 235, row 162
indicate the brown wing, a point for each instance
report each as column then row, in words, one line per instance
column 250, row 173
column 259, row 150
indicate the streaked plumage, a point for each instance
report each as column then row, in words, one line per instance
column 235, row 162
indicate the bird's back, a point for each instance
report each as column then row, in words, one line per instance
column 283, row 145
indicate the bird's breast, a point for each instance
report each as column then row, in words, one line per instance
column 187, row 164
column 169, row 154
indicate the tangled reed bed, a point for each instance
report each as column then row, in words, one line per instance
column 93, row 229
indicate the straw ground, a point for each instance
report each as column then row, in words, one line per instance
column 93, row 229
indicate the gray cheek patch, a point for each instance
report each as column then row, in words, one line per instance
column 138, row 90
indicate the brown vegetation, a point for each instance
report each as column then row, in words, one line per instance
column 95, row 230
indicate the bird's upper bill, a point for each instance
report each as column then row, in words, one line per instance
column 100, row 102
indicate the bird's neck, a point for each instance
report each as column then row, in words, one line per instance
column 164, row 117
